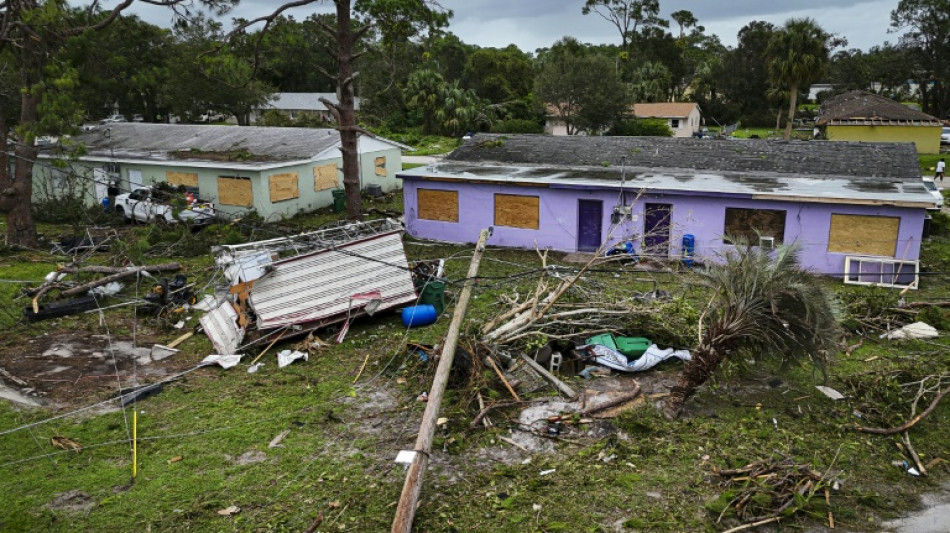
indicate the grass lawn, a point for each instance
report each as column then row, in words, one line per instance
column 204, row 440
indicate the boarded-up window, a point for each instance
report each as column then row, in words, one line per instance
column 283, row 187
column 324, row 177
column 235, row 191
column 863, row 235
column 747, row 225
column 380, row 166
column 517, row 211
column 438, row 205
column 188, row 179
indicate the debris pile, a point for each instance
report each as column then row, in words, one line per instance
column 768, row 491
column 293, row 285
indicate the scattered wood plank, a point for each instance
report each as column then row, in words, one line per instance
column 501, row 376
column 549, row 377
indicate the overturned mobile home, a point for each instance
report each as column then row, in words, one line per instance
column 313, row 279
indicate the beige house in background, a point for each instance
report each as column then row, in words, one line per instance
column 684, row 118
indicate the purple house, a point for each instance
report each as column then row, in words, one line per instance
column 856, row 210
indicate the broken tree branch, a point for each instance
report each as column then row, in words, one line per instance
column 508, row 386
column 910, row 423
column 485, row 410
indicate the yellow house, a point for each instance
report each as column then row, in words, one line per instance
column 862, row 116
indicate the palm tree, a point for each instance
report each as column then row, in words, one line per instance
column 760, row 306
column 798, row 54
column 651, row 82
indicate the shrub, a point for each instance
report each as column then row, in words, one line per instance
column 517, row 126
column 649, row 127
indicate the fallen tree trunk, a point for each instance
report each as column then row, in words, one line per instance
column 613, row 403
column 130, row 271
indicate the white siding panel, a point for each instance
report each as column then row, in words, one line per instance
column 220, row 325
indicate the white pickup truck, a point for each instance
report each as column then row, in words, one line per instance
column 146, row 204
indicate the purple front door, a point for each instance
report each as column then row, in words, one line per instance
column 656, row 229
column 590, row 218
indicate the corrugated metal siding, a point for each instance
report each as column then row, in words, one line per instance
column 318, row 285
column 220, row 325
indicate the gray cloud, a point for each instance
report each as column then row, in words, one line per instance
column 533, row 24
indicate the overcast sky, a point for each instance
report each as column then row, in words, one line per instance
column 533, row 24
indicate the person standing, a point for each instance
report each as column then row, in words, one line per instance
column 940, row 168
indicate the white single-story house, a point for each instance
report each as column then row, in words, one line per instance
column 276, row 171
column 684, row 118
column 295, row 104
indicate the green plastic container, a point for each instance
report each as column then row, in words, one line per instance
column 339, row 200
column 629, row 346
column 433, row 293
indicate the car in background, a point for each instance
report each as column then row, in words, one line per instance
column 112, row 119
column 138, row 118
column 934, row 191
column 145, row 204
column 945, row 135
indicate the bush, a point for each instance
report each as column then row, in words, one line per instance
column 517, row 126
column 649, row 127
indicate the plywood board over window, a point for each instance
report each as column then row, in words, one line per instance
column 188, row 179
column 381, row 166
column 517, row 211
column 437, row 204
column 863, row 235
column 235, row 191
column 747, row 225
column 283, row 187
column 325, row 177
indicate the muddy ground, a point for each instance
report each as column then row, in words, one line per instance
column 63, row 370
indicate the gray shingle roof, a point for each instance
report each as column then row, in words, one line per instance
column 156, row 141
column 859, row 108
column 805, row 158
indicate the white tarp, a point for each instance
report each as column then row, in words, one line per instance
column 917, row 330
column 224, row 361
column 286, row 357
column 618, row 361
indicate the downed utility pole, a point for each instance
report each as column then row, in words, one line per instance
column 402, row 522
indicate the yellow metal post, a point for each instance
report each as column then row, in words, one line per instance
column 135, row 442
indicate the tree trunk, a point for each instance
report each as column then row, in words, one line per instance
column 792, row 104
column 349, row 142
column 16, row 194
column 696, row 371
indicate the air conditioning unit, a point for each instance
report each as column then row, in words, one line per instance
column 767, row 243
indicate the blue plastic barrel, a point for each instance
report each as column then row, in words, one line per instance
column 689, row 247
column 418, row 315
